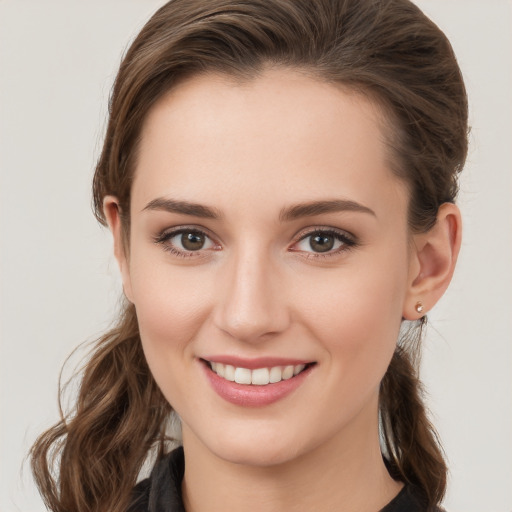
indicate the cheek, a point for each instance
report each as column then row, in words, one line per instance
column 172, row 304
column 357, row 314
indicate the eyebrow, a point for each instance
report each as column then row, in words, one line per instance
column 319, row 207
column 183, row 207
column 293, row 212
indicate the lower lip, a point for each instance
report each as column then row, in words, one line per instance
column 249, row 395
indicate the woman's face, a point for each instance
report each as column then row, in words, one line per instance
column 268, row 232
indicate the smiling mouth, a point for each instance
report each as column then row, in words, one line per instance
column 257, row 376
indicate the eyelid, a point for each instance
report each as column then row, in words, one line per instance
column 311, row 230
column 349, row 241
column 184, row 227
column 167, row 234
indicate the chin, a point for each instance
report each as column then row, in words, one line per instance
column 260, row 447
column 256, row 455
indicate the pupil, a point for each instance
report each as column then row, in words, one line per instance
column 321, row 243
column 192, row 241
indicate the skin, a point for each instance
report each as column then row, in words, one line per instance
column 257, row 288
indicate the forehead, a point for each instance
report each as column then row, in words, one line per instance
column 283, row 135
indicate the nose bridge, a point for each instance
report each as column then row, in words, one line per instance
column 252, row 304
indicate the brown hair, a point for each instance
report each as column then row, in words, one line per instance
column 387, row 49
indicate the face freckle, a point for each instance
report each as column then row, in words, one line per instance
column 216, row 269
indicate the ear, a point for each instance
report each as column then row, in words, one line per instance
column 432, row 263
column 112, row 212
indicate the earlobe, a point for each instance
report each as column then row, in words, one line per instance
column 433, row 262
column 112, row 212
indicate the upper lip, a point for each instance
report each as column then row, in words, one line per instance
column 257, row 362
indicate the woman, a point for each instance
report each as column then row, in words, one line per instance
column 279, row 178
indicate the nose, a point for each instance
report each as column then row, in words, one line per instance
column 252, row 305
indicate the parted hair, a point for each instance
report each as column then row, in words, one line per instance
column 385, row 49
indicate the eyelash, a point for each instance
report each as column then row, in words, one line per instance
column 165, row 236
column 347, row 240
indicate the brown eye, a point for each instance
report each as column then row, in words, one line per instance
column 321, row 242
column 325, row 242
column 192, row 240
column 184, row 242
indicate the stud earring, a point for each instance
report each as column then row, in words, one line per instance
column 419, row 307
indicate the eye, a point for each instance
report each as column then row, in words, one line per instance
column 324, row 242
column 185, row 241
column 190, row 240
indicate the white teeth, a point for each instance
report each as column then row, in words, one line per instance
column 229, row 372
column 220, row 369
column 260, row 377
column 257, row 377
column 287, row 372
column 276, row 374
column 242, row 376
column 298, row 368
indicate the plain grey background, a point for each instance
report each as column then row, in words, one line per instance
column 59, row 282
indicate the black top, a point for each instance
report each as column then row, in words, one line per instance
column 161, row 492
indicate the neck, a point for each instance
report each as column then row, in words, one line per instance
column 345, row 473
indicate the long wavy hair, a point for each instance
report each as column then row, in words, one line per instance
column 386, row 49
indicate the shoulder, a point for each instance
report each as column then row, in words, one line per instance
column 161, row 492
column 409, row 499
